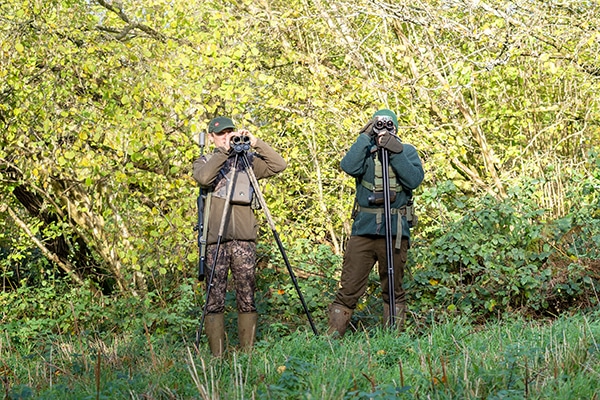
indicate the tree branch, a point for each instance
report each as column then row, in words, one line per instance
column 64, row 265
column 125, row 33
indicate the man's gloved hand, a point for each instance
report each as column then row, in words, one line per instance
column 368, row 128
column 390, row 142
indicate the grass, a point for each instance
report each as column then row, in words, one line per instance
column 510, row 359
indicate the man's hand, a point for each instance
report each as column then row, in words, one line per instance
column 390, row 142
column 245, row 132
column 368, row 128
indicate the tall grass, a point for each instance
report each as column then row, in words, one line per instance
column 508, row 359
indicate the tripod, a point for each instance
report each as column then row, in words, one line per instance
column 240, row 155
column 389, row 247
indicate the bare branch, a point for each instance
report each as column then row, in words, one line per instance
column 126, row 33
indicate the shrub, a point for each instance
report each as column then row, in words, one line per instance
column 503, row 255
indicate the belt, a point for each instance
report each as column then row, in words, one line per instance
column 379, row 212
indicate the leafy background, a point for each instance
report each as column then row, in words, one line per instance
column 102, row 104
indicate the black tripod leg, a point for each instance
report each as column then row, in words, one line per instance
column 263, row 204
column 293, row 277
column 389, row 246
column 209, row 283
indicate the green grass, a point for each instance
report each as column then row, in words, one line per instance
column 511, row 359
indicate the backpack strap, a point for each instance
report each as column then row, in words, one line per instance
column 371, row 186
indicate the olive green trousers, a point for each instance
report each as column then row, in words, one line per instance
column 362, row 253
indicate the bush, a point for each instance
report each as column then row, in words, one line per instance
column 58, row 308
column 503, row 255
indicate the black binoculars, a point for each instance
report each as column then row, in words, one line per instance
column 240, row 143
column 382, row 124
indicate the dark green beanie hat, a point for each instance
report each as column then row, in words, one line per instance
column 387, row 113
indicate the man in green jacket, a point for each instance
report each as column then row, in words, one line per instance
column 367, row 243
column 237, row 250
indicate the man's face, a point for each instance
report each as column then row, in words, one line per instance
column 221, row 139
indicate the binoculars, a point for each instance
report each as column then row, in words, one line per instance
column 382, row 124
column 240, row 143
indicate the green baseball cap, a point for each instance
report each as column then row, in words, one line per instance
column 387, row 113
column 218, row 124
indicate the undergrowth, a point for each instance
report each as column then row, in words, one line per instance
column 511, row 358
column 486, row 260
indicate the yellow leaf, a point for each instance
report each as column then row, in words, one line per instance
column 19, row 47
column 84, row 162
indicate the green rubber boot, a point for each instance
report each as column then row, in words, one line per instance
column 247, row 329
column 214, row 327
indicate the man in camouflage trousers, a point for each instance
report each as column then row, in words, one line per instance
column 237, row 250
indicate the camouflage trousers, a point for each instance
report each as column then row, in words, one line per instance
column 240, row 257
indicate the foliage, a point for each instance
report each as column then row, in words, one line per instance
column 102, row 103
column 500, row 256
column 313, row 270
column 55, row 308
column 452, row 359
column 292, row 383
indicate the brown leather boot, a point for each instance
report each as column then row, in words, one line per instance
column 214, row 327
column 247, row 329
column 400, row 315
column 339, row 318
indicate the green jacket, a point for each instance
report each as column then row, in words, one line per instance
column 209, row 172
column 359, row 163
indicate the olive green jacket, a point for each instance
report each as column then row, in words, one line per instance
column 209, row 171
